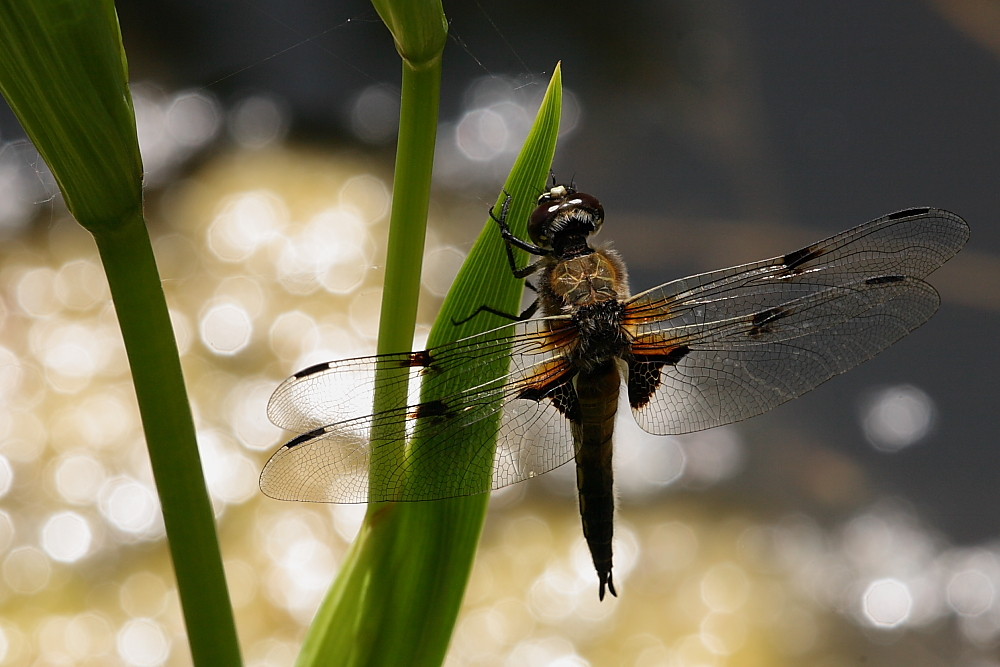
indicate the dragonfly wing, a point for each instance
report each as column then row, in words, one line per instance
column 481, row 413
column 910, row 243
column 728, row 345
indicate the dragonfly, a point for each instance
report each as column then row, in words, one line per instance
column 515, row 402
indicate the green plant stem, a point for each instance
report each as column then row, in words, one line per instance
column 418, row 118
column 64, row 73
column 159, row 385
column 361, row 604
column 421, row 91
column 420, row 96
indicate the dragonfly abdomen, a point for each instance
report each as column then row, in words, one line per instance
column 597, row 391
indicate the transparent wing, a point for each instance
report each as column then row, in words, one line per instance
column 728, row 345
column 513, row 382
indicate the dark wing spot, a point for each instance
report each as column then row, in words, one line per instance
column 560, row 391
column 768, row 316
column 881, row 280
column 421, row 359
column 761, row 322
column 566, row 402
column 907, row 213
column 644, row 374
column 428, row 409
column 643, row 381
column 533, row 393
column 312, row 370
column 795, row 259
column 305, row 437
column 672, row 357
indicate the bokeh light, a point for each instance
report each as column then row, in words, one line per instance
column 171, row 127
column 887, row 603
column 374, row 113
column 896, row 417
column 26, row 570
column 66, row 537
column 129, row 506
column 257, row 121
column 142, row 642
column 226, row 328
column 479, row 146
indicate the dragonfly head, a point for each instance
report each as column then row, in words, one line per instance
column 563, row 214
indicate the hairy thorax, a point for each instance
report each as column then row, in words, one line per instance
column 583, row 280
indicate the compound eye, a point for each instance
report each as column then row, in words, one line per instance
column 540, row 223
column 590, row 204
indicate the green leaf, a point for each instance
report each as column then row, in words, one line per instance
column 399, row 592
column 63, row 72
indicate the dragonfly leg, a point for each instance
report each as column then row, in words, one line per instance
column 511, row 241
column 527, row 314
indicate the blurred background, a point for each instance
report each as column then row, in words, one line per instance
column 857, row 525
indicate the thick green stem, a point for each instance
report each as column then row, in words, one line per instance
column 366, row 600
column 418, row 116
column 421, row 91
column 159, row 385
